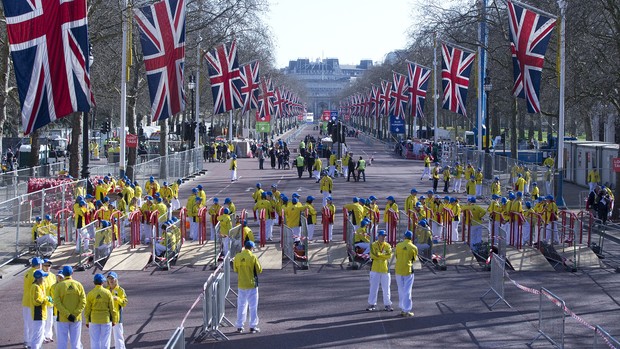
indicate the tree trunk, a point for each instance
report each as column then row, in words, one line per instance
column 513, row 130
column 540, row 129
column 163, row 149
column 34, row 149
column 587, row 125
column 522, row 122
column 74, row 147
column 616, row 211
column 530, row 128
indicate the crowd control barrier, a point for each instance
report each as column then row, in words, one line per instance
column 135, row 218
column 551, row 318
column 392, row 227
column 202, row 225
column 498, row 267
column 64, row 219
column 177, row 341
column 345, row 226
column 214, row 302
column 326, row 221
column 262, row 217
column 602, row 339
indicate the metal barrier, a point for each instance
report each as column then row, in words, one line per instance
column 551, row 318
column 177, row 341
column 498, row 269
column 177, row 165
column 104, row 243
column 83, row 236
column 287, row 243
column 202, row 225
column 345, row 220
column 326, row 221
column 262, row 216
column 135, row 219
column 392, row 227
column 602, row 339
column 214, row 302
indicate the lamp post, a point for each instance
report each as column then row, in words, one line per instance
column 488, row 163
column 85, row 153
column 192, row 86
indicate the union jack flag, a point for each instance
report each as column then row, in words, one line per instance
column 50, row 50
column 367, row 103
column 384, row 103
column 265, row 99
column 225, row 78
column 250, row 81
column 278, row 103
column 375, row 100
column 455, row 70
column 529, row 36
column 398, row 95
column 418, row 83
column 162, row 35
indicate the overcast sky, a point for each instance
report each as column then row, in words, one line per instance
column 350, row 30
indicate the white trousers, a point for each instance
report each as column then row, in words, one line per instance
column 49, row 323
column 455, row 231
column 193, row 230
column 37, row 334
column 332, row 171
column 426, row 172
column 548, row 188
column 476, row 235
column 310, row 232
column 269, row 229
column 326, row 194
column 525, row 232
column 225, row 245
column 27, row 324
column 69, row 333
column 404, row 283
column 376, row 279
column 551, row 233
column 212, row 231
column 457, row 185
column 247, row 299
column 316, row 174
column 296, row 231
column 478, row 189
column 119, row 336
column 346, row 171
column 330, row 231
column 100, row 335
column 233, row 175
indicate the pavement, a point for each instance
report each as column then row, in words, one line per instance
column 324, row 307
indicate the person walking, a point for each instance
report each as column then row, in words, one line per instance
column 350, row 166
column 49, row 283
column 69, row 300
column 120, row 301
column 35, row 264
column 39, row 303
column 593, row 178
column 100, row 314
column 233, row 167
column 446, row 178
column 427, row 167
column 380, row 253
column 247, row 266
column 326, row 186
column 406, row 254
column 435, row 176
column 299, row 163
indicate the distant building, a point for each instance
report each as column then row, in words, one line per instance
column 324, row 80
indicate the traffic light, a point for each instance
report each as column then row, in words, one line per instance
column 105, row 127
column 202, row 129
column 210, row 131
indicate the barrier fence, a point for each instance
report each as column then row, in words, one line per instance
column 214, row 295
column 170, row 167
column 551, row 318
column 498, row 267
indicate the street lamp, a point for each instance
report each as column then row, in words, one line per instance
column 192, row 87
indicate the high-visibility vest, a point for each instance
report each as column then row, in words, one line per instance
column 361, row 165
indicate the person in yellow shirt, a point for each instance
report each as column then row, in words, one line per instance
column 258, row 192
column 478, row 176
column 358, row 212
column 326, row 186
column 194, row 225
column 469, row 171
column 435, row 176
column 35, row 264
column 496, row 187
column 476, row 213
column 247, row 266
column 380, row 253
column 520, row 183
column 345, row 165
column 166, row 193
column 202, row 193
column 361, row 238
column 103, row 239
column 294, row 216
column 527, row 175
column 233, row 168
column 120, row 301
column 80, row 212
column 37, row 223
column 247, row 233
column 593, row 178
column 175, row 188
column 264, row 203
column 549, row 161
column 151, row 187
column 39, row 302
column 101, row 190
column 535, row 191
column 49, row 284
column 411, row 200
column 458, row 178
column 495, row 214
column 446, row 178
column 390, row 208
column 423, row 238
column 332, row 164
column 137, row 192
column 317, row 168
column 230, row 206
column 69, row 300
column 310, row 217
column 100, row 313
column 225, row 223
column 214, row 212
column 406, row 253
column 427, row 167
column 550, row 216
column 375, row 212
column 331, row 212
column 455, row 207
column 470, row 187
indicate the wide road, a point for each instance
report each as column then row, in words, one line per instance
column 324, row 307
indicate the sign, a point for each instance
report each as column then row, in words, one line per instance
column 260, row 119
column 131, row 140
column 397, row 125
column 300, row 117
column 347, row 117
column 334, row 115
column 263, row 127
column 326, row 115
column 616, row 162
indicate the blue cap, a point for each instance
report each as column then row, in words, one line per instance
column 216, row 200
column 82, row 203
column 310, row 198
column 422, row 197
column 106, row 199
column 414, row 190
column 249, row 244
column 423, row 222
column 408, row 235
column 511, row 196
column 269, row 193
column 504, row 201
column 198, row 198
column 364, row 222
column 497, row 178
column 534, row 183
column 105, row 224
column 199, row 186
column 294, row 201
column 418, row 204
column 494, row 196
column 149, row 197
column 372, row 197
column 88, row 196
column 446, row 198
column 549, row 197
column 39, row 274
column 355, row 199
column 194, row 190
column 329, row 198
column 165, row 183
column 258, row 185
column 263, row 194
column 295, row 195
column 226, row 211
column 519, row 194
column 284, row 198
column 381, row 233
column 67, row 270
column 47, row 261
column 99, row 279
column 528, row 204
column 472, row 200
column 106, row 178
column 391, row 198
column 430, row 192
column 36, row 261
column 156, row 195
column 160, row 199
column 179, row 181
column 151, row 179
column 48, row 217
column 112, row 275
column 99, row 181
column 98, row 202
column 37, row 218
column 452, row 200
column 227, row 201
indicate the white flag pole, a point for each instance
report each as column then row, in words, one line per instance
column 122, row 136
column 197, row 110
column 435, row 90
column 560, row 198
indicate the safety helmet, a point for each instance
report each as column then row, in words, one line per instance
column 258, row 185
column 216, row 200
column 423, row 222
column 226, row 211
column 227, row 201
column 48, row 217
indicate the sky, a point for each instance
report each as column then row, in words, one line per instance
column 350, row 30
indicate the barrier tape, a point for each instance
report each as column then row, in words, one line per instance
column 200, row 296
column 565, row 308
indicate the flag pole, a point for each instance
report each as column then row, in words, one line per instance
column 230, row 126
column 197, row 106
column 435, row 93
column 481, row 71
column 560, row 197
column 124, row 71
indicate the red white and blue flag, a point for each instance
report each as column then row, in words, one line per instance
column 278, row 103
column 455, row 69
column 375, row 105
column 225, row 78
column 49, row 45
column 162, row 35
column 384, row 98
column 265, row 100
column 250, row 82
column 398, row 95
column 418, row 84
column 529, row 37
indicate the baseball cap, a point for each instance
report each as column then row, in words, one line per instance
column 113, row 275
column 36, row 261
column 381, row 233
column 47, row 261
column 408, row 234
column 40, row 274
column 67, row 270
column 99, row 278
column 249, row 244
column 390, row 198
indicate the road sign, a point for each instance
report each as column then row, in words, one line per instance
column 131, row 140
column 397, row 125
column 263, row 127
column 333, row 115
column 616, row 162
column 326, row 115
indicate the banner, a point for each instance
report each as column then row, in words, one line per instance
column 263, row 127
column 397, row 125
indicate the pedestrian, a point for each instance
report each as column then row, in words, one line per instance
column 348, row 159
column 310, row 217
column 326, row 186
column 331, row 212
column 299, row 163
column 548, row 179
column 350, row 168
column 233, row 168
column 391, row 208
column 478, row 176
column 361, row 169
column 120, row 301
column 332, row 164
column 260, row 153
column 406, row 254
column 550, row 217
column 225, row 226
column 247, row 266
column 380, row 253
column 35, row 264
column 427, row 167
column 100, row 314
column 69, row 300
column 446, row 178
column 318, row 167
column 458, row 178
column 49, row 283
column 435, row 177
column 39, row 304
column 473, row 218
column 214, row 212
column 309, row 161
column 423, row 238
column 593, row 178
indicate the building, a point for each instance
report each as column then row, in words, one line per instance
column 324, row 80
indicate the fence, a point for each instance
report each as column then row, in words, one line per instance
column 551, row 318
column 602, row 339
column 170, row 167
column 498, row 267
column 177, row 341
column 15, row 183
column 215, row 291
